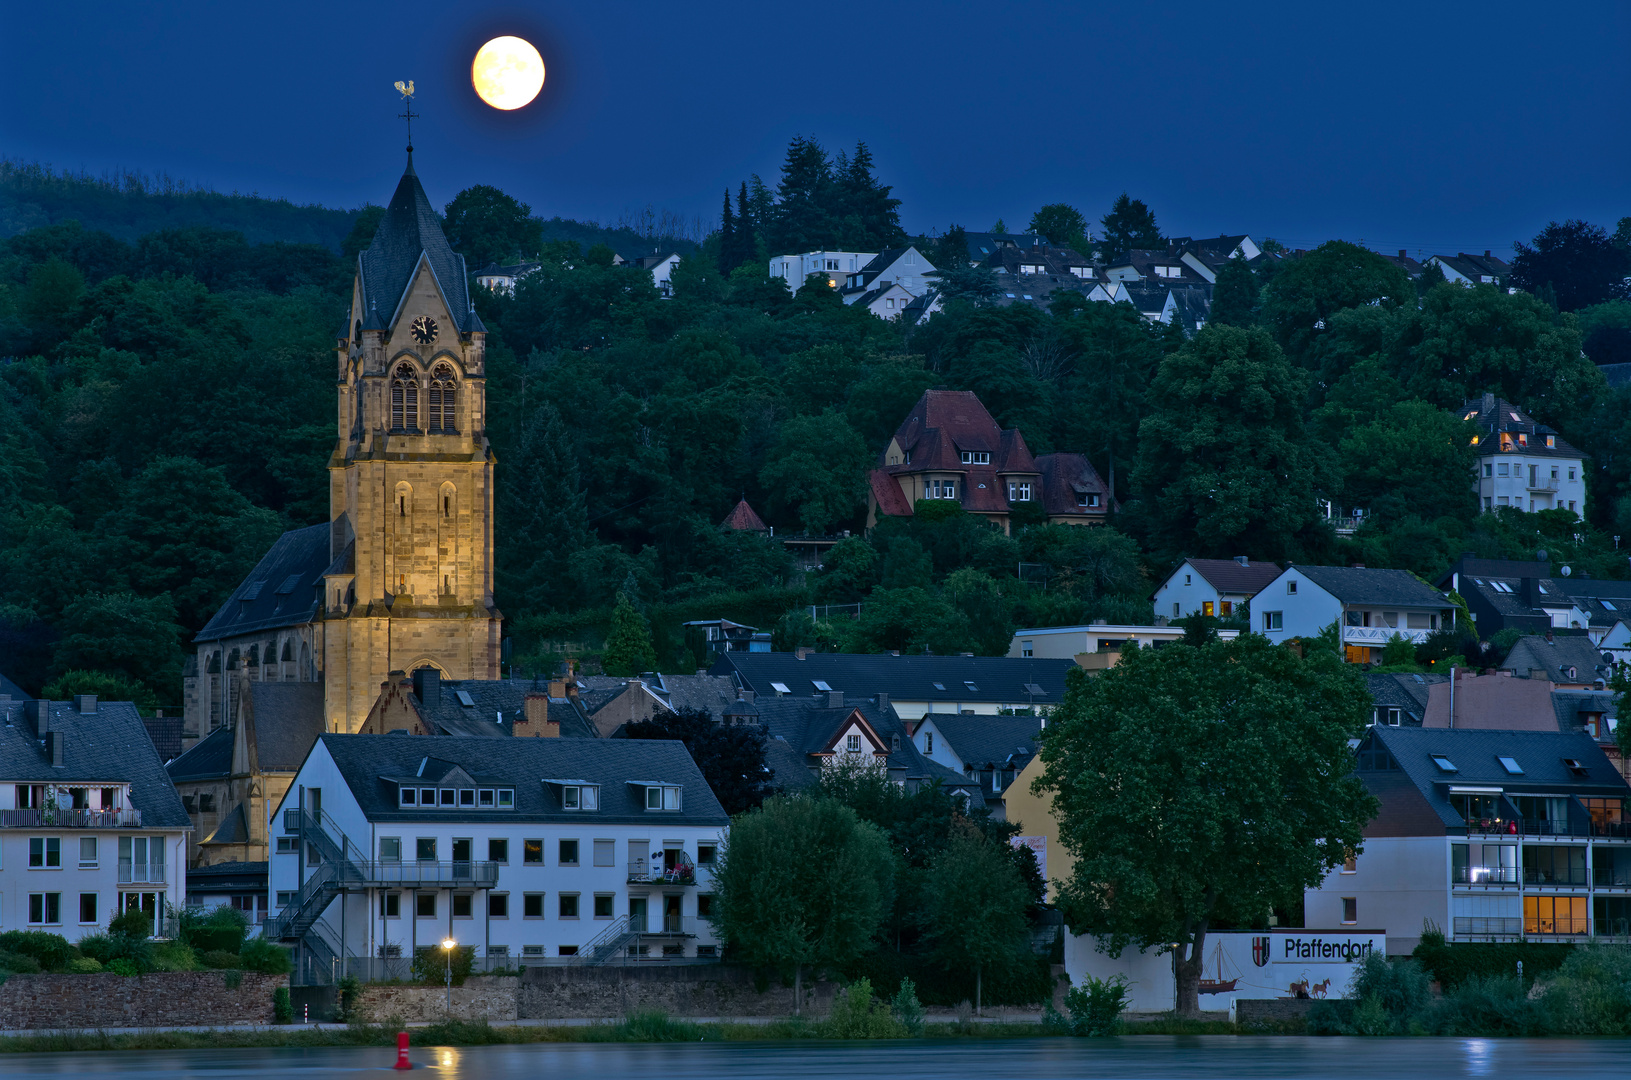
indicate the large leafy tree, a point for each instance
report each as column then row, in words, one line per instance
column 803, row 882
column 1195, row 781
column 817, row 471
column 1129, row 226
column 1063, row 225
column 628, row 646
column 1579, row 262
column 977, row 903
column 485, row 225
column 731, row 756
column 1298, row 303
column 1235, row 294
column 1225, row 465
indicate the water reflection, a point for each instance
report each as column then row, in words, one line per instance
column 1143, row 1058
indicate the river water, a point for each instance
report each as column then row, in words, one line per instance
column 1146, row 1057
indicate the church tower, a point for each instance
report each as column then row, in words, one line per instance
column 410, row 584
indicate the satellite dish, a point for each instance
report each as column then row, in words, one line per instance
column 1566, row 571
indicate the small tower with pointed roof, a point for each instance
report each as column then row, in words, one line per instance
column 410, row 583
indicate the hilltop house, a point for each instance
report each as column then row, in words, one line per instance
column 1523, row 463
column 990, row 750
column 1469, row 270
column 1566, row 661
column 835, row 267
column 524, row 849
column 1371, row 606
column 949, row 447
column 89, row 823
column 1216, row 587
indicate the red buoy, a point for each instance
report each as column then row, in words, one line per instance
column 402, row 1061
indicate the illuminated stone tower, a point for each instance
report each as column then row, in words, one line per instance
column 411, row 477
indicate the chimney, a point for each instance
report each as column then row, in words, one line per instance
column 53, row 747
column 835, row 699
column 535, row 722
column 85, row 704
column 1243, row 560
column 1549, row 640
column 746, row 695
column 1486, row 253
column 883, row 700
column 802, row 652
column 38, row 715
column 557, row 688
column 427, row 687
column 1401, row 253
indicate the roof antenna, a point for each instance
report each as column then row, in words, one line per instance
column 407, row 113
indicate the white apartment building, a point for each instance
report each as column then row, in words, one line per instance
column 1522, row 463
column 89, row 822
column 526, row 849
column 836, row 265
column 1070, row 642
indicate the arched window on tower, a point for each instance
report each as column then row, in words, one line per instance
column 442, row 396
column 405, row 398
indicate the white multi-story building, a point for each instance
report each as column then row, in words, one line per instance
column 1371, row 606
column 524, row 848
column 837, row 266
column 90, row 824
column 1522, row 463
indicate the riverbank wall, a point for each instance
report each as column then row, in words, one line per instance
column 158, row 999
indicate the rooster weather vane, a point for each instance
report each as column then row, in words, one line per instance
column 406, row 90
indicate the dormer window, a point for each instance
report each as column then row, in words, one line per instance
column 662, row 796
column 976, row 457
column 580, row 797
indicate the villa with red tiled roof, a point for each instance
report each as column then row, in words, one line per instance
column 949, row 447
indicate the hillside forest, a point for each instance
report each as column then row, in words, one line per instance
column 166, row 410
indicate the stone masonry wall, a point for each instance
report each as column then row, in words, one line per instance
column 155, row 1000
column 1250, row 1011
column 482, row 997
column 679, row 990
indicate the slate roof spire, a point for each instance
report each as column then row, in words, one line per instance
column 411, row 228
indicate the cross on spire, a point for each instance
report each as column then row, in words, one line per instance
column 407, row 113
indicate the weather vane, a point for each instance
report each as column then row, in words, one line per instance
column 406, row 90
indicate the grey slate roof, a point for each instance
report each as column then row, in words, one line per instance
column 1362, row 585
column 705, row 693
column 983, row 741
column 108, row 745
column 227, row 877
column 1475, row 755
column 1404, row 691
column 288, row 719
column 11, row 690
column 364, row 760
column 1493, row 415
column 165, row 731
column 1569, row 704
column 412, row 227
column 210, row 757
column 996, row 679
column 807, row 725
column 283, row 590
column 1563, row 651
column 1230, row 576
column 233, row 829
column 490, row 697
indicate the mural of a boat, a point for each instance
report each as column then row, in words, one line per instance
column 1219, row 985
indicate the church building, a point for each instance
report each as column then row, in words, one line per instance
column 401, row 576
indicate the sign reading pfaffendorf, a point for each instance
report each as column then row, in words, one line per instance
column 1259, row 964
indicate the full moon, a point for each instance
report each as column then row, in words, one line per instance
column 507, row 72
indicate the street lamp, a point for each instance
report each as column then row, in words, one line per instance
column 448, row 945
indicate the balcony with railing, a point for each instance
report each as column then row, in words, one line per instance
column 1612, row 876
column 41, row 818
column 1486, row 926
column 1381, row 635
column 654, row 872
column 1557, row 926
column 140, row 873
column 1494, row 876
column 1561, row 877
column 427, row 875
column 1542, row 483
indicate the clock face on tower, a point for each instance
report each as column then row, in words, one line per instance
column 424, row 329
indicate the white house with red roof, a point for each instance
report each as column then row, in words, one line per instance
column 949, row 447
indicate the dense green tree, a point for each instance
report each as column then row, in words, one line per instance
column 628, row 645
column 867, row 216
column 541, row 513
column 485, row 225
column 1410, row 458
column 1235, row 294
column 977, row 905
column 1129, row 226
column 124, row 636
column 1578, row 261
column 1063, row 225
column 817, row 469
column 1225, row 464
column 803, row 882
column 105, row 685
column 1117, row 355
column 731, row 757
column 1163, row 844
column 958, row 281
column 1298, row 304
column 848, row 572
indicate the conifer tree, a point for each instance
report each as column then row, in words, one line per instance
column 747, row 239
column 728, row 243
column 541, row 512
column 628, row 645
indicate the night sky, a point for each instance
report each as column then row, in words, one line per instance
column 1399, row 125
